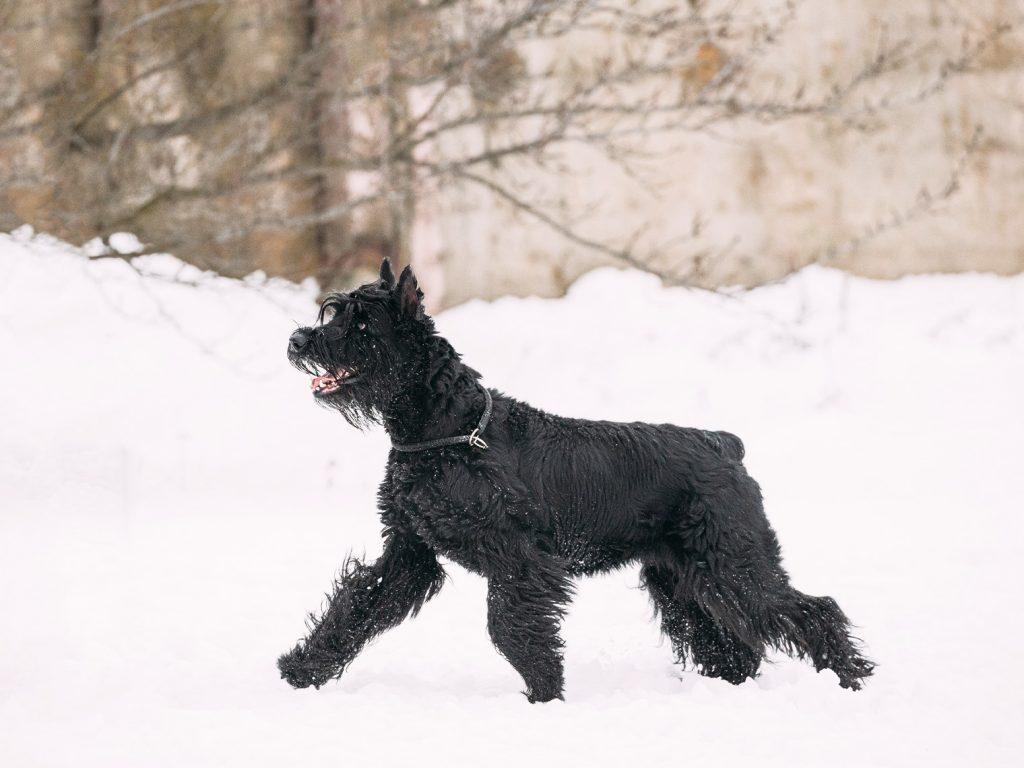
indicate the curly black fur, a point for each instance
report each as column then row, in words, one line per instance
column 551, row 499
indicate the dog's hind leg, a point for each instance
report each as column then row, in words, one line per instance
column 367, row 600
column 816, row 628
column 524, row 610
column 760, row 608
column 728, row 563
column 713, row 650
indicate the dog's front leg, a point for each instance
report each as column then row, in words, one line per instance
column 524, row 611
column 367, row 600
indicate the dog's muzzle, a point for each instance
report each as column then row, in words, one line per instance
column 298, row 341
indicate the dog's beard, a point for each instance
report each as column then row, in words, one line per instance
column 357, row 390
column 357, row 408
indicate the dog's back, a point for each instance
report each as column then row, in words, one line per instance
column 620, row 485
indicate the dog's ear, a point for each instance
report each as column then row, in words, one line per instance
column 387, row 277
column 409, row 295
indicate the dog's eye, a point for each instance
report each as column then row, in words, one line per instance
column 361, row 326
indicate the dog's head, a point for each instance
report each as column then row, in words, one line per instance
column 366, row 345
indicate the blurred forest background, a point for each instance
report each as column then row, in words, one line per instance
column 505, row 147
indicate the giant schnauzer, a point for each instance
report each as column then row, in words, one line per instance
column 531, row 501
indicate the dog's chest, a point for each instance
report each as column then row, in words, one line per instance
column 460, row 511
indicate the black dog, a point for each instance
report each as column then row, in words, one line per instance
column 531, row 501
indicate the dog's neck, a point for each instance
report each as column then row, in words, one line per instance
column 443, row 400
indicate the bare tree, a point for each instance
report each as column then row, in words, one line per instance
column 300, row 136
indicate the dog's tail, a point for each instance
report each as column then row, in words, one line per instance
column 726, row 444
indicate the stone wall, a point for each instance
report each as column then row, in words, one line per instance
column 774, row 196
column 215, row 130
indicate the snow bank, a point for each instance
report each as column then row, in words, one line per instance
column 171, row 502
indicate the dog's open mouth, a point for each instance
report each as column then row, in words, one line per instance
column 330, row 383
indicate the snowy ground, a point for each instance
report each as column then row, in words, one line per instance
column 172, row 503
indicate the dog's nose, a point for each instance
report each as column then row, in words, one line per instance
column 298, row 341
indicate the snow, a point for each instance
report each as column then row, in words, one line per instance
column 172, row 503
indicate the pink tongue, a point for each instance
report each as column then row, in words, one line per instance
column 318, row 380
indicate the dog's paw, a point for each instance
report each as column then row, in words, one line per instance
column 543, row 695
column 296, row 670
column 301, row 668
column 854, row 672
